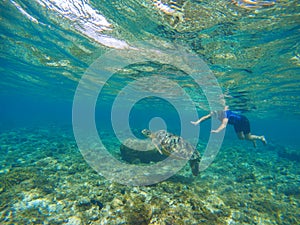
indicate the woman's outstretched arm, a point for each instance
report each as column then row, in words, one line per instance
column 201, row 119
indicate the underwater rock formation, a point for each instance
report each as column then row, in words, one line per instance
column 290, row 154
column 139, row 151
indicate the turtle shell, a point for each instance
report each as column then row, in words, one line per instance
column 172, row 145
column 176, row 147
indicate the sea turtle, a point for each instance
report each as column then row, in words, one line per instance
column 172, row 145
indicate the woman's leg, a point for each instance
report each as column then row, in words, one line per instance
column 252, row 138
column 244, row 127
column 240, row 135
column 248, row 137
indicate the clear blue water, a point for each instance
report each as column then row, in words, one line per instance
column 252, row 50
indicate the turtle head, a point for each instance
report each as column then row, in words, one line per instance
column 146, row 133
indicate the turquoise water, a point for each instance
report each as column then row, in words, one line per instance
column 47, row 47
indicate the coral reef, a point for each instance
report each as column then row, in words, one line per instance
column 52, row 184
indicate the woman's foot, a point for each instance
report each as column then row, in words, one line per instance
column 263, row 139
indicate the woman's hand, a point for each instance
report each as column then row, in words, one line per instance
column 214, row 131
column 201, row 119
column 195, row 122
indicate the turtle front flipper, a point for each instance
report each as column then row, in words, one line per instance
column 156, row 144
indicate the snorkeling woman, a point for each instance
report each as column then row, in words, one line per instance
column 241, row 124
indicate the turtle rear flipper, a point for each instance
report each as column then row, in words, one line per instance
column 194, row 164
